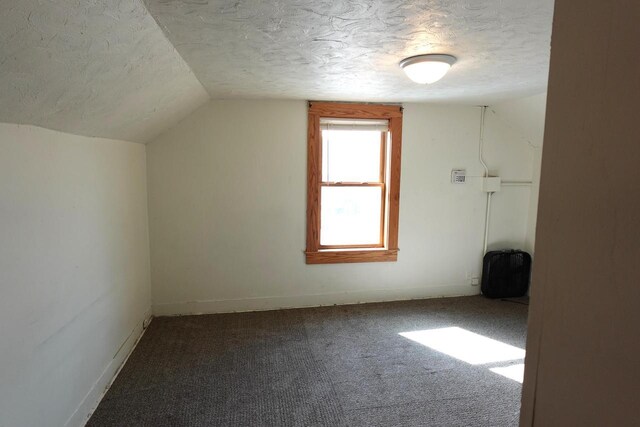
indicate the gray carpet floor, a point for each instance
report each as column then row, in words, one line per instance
column 327, row 366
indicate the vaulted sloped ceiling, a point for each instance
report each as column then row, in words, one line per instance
column 106, row 68
column 91, row 67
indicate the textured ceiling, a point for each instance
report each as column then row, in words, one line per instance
column 105, row 68
column 91, row 67
column 349, row 50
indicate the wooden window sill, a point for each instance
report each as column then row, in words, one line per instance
column 334, row 256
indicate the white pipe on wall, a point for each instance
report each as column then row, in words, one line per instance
column 486, row 223
column 481, row 142
column 486, row 174
column 516, row 183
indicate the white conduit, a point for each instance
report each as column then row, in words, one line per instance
column 486, row 174
column 486, row 223
column 481, row 143
column 516, row 183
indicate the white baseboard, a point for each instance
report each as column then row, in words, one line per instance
column 315, row 300
column 91, row 400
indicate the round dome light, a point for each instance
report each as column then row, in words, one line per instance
column 428, row 68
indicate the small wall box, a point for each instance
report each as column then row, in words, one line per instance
column 490, row 184
column 458, row 176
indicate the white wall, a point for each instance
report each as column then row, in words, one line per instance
column 227, row 210
column 74, row 270
column 524, row 117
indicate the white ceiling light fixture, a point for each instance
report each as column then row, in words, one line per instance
column 427, row 69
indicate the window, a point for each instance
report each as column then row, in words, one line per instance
column 353, row 182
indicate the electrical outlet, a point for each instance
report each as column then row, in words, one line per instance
column 472, row 279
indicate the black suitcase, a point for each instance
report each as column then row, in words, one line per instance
column 505, row 274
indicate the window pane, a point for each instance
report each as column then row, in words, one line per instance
column 350, row 215
column 351, row 156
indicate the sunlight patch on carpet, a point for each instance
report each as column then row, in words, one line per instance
column 465, row 345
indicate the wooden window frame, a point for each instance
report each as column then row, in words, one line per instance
column 388, row 249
